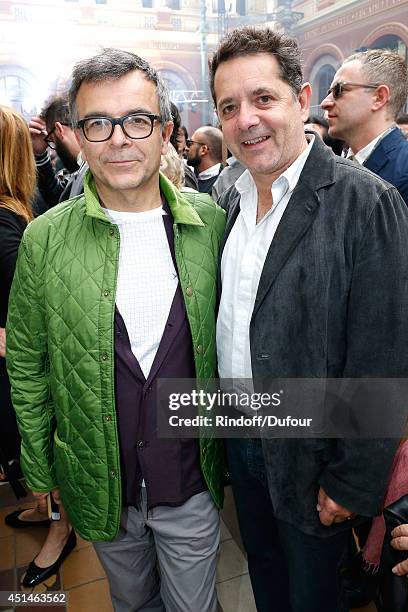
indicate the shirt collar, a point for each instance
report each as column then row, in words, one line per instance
column 181, row 209
column 210, row 172
column 366, row 151
column 287, row 181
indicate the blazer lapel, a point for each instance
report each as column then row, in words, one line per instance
column 296, row 219
column 319, row 171
column 379, row 157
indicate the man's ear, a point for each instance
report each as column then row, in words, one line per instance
column 78, row 138
column 381, row 97
column 304, row 100
column 204, row 150
column 59, row 130
column 166, row 133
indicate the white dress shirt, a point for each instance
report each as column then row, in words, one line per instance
column 242, row 263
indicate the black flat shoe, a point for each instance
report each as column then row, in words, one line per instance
column 34, row 574
column 13, row 520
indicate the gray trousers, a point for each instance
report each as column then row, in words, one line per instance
column 182, row 541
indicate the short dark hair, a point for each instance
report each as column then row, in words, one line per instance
column 318, row 121
column 112, row 64
column 249, row 41
column 56, row 109
column 175, row 115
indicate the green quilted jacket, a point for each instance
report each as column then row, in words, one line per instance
column 60, row 348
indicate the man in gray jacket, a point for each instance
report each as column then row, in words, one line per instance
column 314, row 285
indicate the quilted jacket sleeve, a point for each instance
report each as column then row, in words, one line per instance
column 28, row 369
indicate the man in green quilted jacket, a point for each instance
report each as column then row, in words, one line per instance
column 114, row 289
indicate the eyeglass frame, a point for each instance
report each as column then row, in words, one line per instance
column 50, row 143
column 341, row 84
column 118, row 121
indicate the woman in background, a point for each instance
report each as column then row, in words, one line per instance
column 17, row 185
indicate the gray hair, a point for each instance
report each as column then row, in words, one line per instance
column 385, row 68
column 112, row 64
column 250, row 40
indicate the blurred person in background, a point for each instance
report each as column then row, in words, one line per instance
column 178, row 140
column 172, row 166
column 367, row 94
column 321, row 127
column 204, row 154
column 52, row 130
column 183, row 137
column 17, row 184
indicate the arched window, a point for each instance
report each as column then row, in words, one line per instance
column 15, row 89
column 390, row 41
column 323, row 80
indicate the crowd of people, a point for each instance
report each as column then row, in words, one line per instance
column 120, row 269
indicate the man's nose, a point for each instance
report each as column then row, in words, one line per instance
column 328, row 101
column 247, row 116
column 118, row 137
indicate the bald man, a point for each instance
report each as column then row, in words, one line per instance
column 204, row 154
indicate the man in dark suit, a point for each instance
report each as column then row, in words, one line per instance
column 366, row 96
column 313, row 274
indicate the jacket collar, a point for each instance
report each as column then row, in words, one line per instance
column 318, row 172
column 379, row 156
column 182, row 211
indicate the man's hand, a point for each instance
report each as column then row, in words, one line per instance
column 400, row 542
column 329, row 511
column 42, row 500
column 38, row 131
column 2, row 342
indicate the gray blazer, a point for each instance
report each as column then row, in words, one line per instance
column 332, row 302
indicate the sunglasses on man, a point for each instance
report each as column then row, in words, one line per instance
column 340, row 87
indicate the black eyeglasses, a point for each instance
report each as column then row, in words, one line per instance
column 134, row 126
column 50, row 143
column 340, row 87
column 189, row 142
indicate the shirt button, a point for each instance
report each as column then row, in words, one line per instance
column 108, row 418
column 141, row 444
column 106, row 292
column 112, row 474
column 189, row 291
column 111, row 232
column 104, row 356
column 199, row 349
